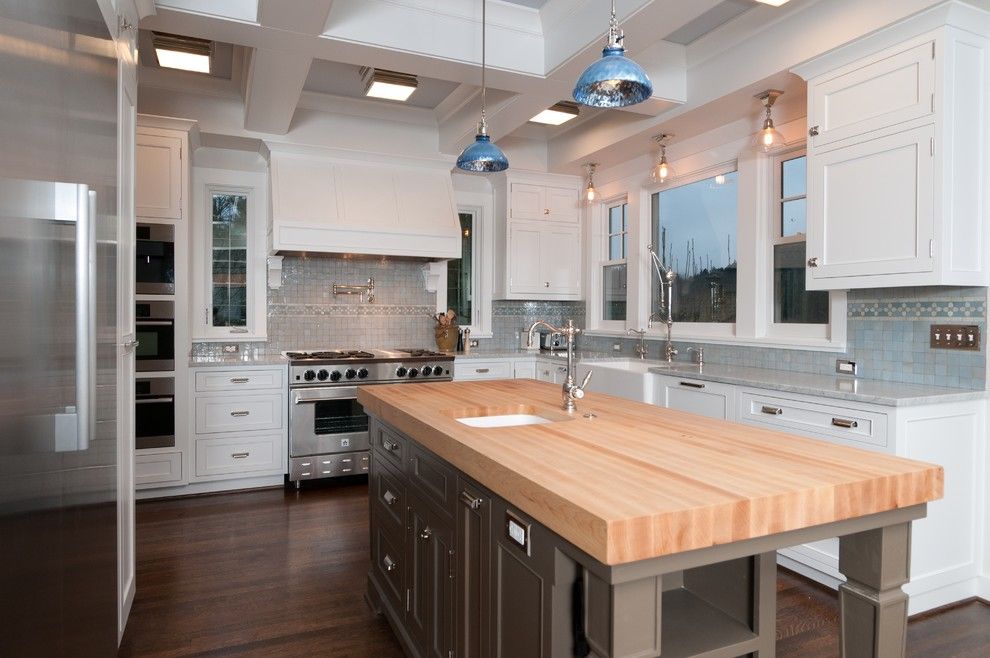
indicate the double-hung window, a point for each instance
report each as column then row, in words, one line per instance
column 461, row 279
column 792, row 303
column 694, row 232
column 614, row 267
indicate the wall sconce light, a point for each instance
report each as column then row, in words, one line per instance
column 590, row 193
column 768, row 138
column 662, row 171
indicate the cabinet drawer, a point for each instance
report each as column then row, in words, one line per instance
column 809, row 418
column 388, row 490
column 524, row 371
column 388, row 557
column 343, row 463
column 436, row 480
column 239, row 455
column 389, row 446
column 157, row 469
column 483, row 370
column 246, row 413
column 210, row 381
column 873, row 95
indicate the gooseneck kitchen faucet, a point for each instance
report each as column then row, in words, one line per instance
column 666, row 276
column 570, row 391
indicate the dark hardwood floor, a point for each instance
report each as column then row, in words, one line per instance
column 274, row 572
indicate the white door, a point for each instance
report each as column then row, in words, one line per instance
column 527, row 202
column 158, row 173
column 871, row 210
column 560, row 260
column 525, row 253
column 563, row 203
column 126, row 127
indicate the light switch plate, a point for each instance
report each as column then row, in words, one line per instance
column 955, row 337
column 231, row 348
column 517, row 531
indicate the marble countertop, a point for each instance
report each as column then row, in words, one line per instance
column 235, row 360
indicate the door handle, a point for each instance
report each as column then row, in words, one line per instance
column 390, row 498
column 472, row 502
column 131, row 345
column 390, row 564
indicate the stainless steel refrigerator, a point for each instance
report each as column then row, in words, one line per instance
column 58, row 232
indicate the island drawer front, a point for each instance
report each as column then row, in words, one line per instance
column 389, row 561
column 391, row 446
column 239, row 414
column 389, row 492
column 435, row 479
column 804, row 417
column 468, row 370
column 225, row 455
column 215, row 381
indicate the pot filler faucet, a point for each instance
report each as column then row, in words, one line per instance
column 570, row 391
column 666, row 276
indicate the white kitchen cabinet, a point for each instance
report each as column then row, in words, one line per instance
column 694, row 396
column 524, row 369
column 537, row 237
column 157, row 469
column 549, row 371
column 158, row 174
column 897, row 160
column 245, row 454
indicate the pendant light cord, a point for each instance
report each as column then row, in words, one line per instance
column 484, row 88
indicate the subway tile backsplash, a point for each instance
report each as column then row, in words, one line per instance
column 887, row 332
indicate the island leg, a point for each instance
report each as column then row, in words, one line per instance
column 872, row 605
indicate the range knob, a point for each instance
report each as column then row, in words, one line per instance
column 401, row 371
column 362, row 373
column 322, row 375
column 335, row 376
column 350, row 373
column 309, row 375
column 427, row 371
column 413, row 373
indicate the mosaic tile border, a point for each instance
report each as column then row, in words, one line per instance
column 524, row 309
column 283, row 310
column 917, row 310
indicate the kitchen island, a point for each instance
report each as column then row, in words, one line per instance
column 623, row 528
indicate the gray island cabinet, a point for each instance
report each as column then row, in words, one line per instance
column 462, row 571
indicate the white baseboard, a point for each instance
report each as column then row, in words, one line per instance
column 194, row 488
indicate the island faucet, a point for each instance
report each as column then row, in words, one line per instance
column 569, row 390
column 641, row 348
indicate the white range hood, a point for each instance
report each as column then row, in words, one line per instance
column 325, row 203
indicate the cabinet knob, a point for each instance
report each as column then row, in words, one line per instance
column 546, row 284
column 426, row 534
column 813, row 131
column 813, row 261
column 546, row 211
column 390, row 564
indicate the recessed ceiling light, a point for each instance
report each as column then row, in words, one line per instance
column 557, row 114
column 185, row 53
column 390, row 85
column 773, row 3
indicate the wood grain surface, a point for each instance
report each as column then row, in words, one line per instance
column 638, row 481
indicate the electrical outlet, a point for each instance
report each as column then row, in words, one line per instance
column 473, row 342
column 846, row 367
column 955, row 337
column 231, row 348
column 616, row 347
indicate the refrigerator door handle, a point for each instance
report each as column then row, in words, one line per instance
column 85, row 314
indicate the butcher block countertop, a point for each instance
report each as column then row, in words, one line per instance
column 638, row 481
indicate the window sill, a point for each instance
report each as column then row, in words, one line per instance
column 809, row 344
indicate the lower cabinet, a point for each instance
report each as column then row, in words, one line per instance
column 473, row 577
column 430, row 578
column 695, row 396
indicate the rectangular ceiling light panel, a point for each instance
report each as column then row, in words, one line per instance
column 557, row 114
column 186, row 53
column 389, row 85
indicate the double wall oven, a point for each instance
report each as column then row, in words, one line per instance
column 328, row 428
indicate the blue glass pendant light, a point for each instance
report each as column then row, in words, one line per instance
column 614, row 80
column 483, row 156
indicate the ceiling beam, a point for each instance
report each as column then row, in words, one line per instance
column 274, row 82
column 309, row 17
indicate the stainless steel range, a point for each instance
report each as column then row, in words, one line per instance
column 328, row 429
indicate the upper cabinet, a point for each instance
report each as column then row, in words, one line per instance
column 537, row 236
column 897, row 171
column 158, row 174
column 322, row 202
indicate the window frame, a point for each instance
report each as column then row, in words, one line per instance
column 600, row 258
column 252, row 185
column 477, row 231
column 693, row 330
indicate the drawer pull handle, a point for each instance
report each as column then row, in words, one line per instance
column 425, row 534
column 772, row 411
column 844, row 423
column 305, row 474
column 240, row 455
column 692, row 385
column 482, row 371
column 240, row 414
column 391, row 446
column 472, row 502
column 239, row 380
column 346, row 470
column 390, row 564
column 390, row 498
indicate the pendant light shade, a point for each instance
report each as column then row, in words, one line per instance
column 483, row 155
column 662, row 171
column 614, row 80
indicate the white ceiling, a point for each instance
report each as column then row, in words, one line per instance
column 340, row 79
column 535, row 4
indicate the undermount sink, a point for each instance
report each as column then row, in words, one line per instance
column 505, row 420
column 506, row 416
